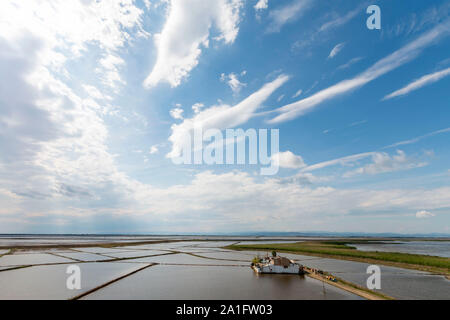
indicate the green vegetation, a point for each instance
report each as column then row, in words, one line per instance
column 373, row 292
column 340, row 250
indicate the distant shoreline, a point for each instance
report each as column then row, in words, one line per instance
column 433, row 236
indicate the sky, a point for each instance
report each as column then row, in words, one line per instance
column 97, row 96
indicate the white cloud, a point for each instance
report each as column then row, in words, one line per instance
column 197, row 107
column 350, row 63
column 154, row 149
column 53, row 142
column 186, row 31
column 148, row 4
column 344, row 161
column 419, row 83
column 424, row 214
column 261, row 5
column 339, row 21
column 177, row 113
column 233, row 81
column 417, row 139
column 109, row 70
column 334, row 52
column 289, row 160
column 385, row 65
column 287, row 13
column 215, row 202
column 320, row 35
column 223, row 116
column 298, row 93
column 94, row 93
column 382, row 163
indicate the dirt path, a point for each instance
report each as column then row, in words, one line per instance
column 360, row 292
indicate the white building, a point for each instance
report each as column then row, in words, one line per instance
column 277, row 265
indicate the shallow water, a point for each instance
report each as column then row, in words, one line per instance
column 186, row 259
column 83, row 256
column 163, row 282
column 214, row 274
column 30, row 259
column 131, row 254
column 49, row 282
column 396, row 282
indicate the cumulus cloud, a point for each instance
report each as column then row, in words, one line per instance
column 218, row 201
column 222, row 116
column 233, row 81
column 177, row 113
column 335, row 51
column 179, row 52
column 419, row 83
column 424, row 214
column 261, row 5
column 53, row 142
column 382, row 163
column 197, row 107
column 289, row 160
column 383, row 66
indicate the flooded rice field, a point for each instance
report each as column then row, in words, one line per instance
column 221, row 282
column 187, row 270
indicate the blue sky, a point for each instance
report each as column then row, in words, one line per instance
column 95, row 96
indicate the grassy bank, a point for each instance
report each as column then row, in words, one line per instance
column 343, row 250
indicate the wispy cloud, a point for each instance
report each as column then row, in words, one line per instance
column 424, row 214
column 340, row 161
column 385, row 65
column 339, row 21
column 381, row 162
column 350, row 63
column 298, row 93
column 287, row 13
column 419, row 83
column 223, row 116
column 335, row 51
column 417, row 139
column 318, row 35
